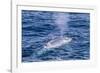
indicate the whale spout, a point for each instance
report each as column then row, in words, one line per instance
column 57, row 42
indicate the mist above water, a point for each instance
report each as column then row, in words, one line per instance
column 61, row 21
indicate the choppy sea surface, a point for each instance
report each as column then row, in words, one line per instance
column 41, row 27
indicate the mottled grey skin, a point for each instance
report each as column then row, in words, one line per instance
column 57, row 42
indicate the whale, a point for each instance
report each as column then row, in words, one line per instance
column 57, row 42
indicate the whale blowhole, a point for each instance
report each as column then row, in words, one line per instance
column 61, row 21
column 57, row 42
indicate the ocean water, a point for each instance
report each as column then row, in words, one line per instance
column 44, row 32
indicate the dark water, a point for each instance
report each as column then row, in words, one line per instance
column 40, row 27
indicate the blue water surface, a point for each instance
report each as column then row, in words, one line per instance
column 39, row 27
